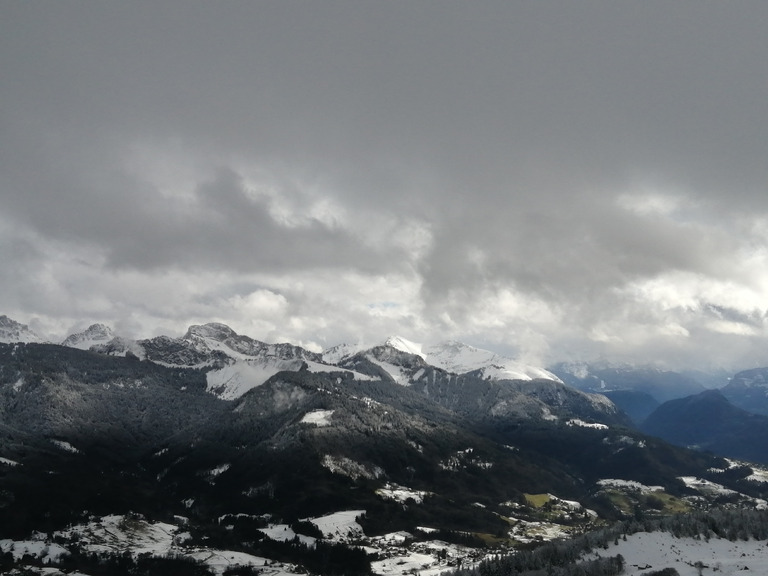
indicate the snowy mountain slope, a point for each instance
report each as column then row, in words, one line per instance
column 302, row 445
column 450, row 356
column 91, row 336
column 119, row 346
column 474, row 395
column 234, row 363
column 12, row 331
column 644, row 552
column 459, row 358
column 404, row 345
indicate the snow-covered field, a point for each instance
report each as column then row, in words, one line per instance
column 403, row 564
column 284, row 533
column 399, row 553
column 39, row 548
column 400, row 493
column 220, row 560
column 644, row 552
column 628, row 484
column 758, row 475
column 123, row 534
column 318, row 417
column 340, row 526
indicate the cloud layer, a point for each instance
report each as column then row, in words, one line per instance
column 550, row 180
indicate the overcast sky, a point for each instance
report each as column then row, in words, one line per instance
column 549, row 180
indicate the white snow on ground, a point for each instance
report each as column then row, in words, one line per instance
column 396, row 538
column 583, row 424
column 220, row 560
column 123, row 534
column 120, row 534
column 430, row 558
column 524, row 531
column 730, row 464
column 231, row 382
column 400, row 493
column 630, row 484
column 65, row 446
column 340, row 526
column 706, row 486
column 758, row 475
column 644, row 552
column 398, row 374
column 318, row 367
column 8, row 462
column 218, row 470
column 407, row 563
column 318, row 417
column 18, row 384
column 39, row 549
column 284, row 533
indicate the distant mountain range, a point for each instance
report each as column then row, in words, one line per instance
column 708, row 421
column 603, row 377
column 237, row 363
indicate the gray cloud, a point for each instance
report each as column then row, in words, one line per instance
column 543, row 178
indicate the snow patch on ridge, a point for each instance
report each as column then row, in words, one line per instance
column 231, row 382
column 64, row 445
column 397, row 373
column 583, row 424
column 318, row 418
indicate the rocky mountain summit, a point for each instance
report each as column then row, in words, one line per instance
column 95, row 334
column 12, row 331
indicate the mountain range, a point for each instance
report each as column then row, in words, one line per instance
column 225, row 437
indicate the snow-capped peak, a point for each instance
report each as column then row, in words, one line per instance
column 337, row 353
column 459, row 358
column 12, row 331
column 452, row 356
column 400, row 343
column 340, row 352
column 94, row 334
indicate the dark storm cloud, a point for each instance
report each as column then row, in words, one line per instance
column 575, row 158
